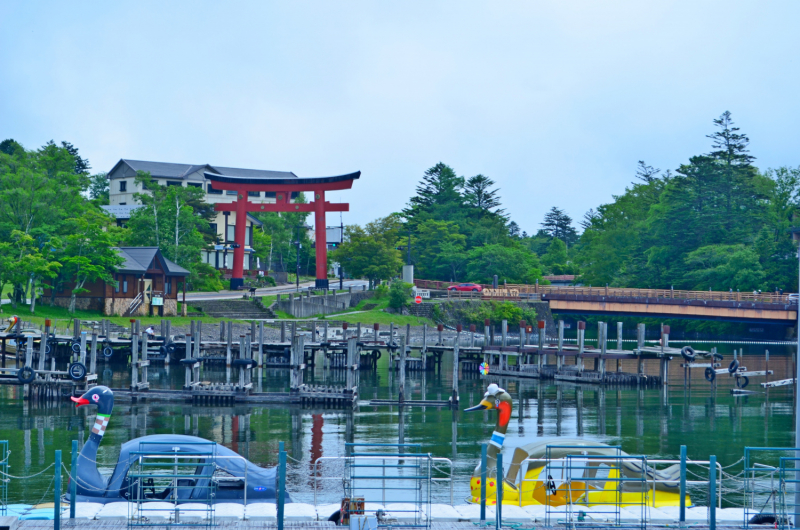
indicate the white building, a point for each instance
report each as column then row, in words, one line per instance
column 122, row 186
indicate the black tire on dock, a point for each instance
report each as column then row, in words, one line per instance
column 742, row 382
column 77, row 371
column 376, row 354
column 717, row 357
column 171, row 348
column 76, row 347
column 108, row 352
column 687, row 352
column 26, row 375
column 710, row 374
column 733, row 366
column 47, row 349
column 763, row 518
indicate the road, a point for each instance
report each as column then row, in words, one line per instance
column 266, row 291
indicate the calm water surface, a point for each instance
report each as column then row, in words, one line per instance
column 653, row 422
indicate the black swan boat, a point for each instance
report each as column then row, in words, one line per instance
column 261, row 484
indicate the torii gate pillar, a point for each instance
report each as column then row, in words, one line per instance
column 283, row 189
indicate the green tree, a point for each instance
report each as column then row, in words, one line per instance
column 371, row 252
column 400, row 295
column 513, row 264
column 98, row 188
column 558, row 224
column 88, row 253
column 441, row 250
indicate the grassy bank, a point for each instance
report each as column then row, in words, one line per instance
column 61, row 317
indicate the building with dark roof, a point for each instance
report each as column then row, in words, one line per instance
column 122, row 187
column 146, row 283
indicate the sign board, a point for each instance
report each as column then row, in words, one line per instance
column 418, row 299
column 157, row 301
column 423, row 293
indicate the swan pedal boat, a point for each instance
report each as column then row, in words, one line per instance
column 558, row 471
column 261, row 483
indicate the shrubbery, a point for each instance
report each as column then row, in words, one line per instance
column 400, row 295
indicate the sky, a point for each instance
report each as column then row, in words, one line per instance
column 556, row 101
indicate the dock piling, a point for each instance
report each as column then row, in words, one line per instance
column 261, row 343
column 402, row 369
column 93, row 355
column 504, row 333
column 683, row 487
column 581, row 337
column 43, row 344
column 73, row 484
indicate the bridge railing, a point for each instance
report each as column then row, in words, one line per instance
column 675, row 294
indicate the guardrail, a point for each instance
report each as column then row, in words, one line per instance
column 672, row 294
column 406, row 456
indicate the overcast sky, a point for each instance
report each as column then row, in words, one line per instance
column 556, row 101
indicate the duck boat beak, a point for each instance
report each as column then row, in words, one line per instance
column 79, row 402
column 483, row 405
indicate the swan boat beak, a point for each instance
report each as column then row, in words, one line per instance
column 483, row 405
column 79, row 402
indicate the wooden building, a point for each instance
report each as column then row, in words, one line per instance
column 147, row 283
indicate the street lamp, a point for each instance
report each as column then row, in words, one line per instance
column 299, row 246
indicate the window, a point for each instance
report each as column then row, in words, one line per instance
column 254, row 194
column 213, row 228
column 168, row 286
column 246, row 263
column 194, row 184
column 230, row 192
column 123, row 203
column 125, row 286
column 295, row 194
column 248, row 234
column 116, row 288
column 269, row 194
column 174, row 183
column 212, row 191
column 123, row 185
column 231, row 236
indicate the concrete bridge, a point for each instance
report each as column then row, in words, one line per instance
column 766, row 308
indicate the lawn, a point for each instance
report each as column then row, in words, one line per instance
column 62, row 318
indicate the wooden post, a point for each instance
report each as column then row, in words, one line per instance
column 358, row 330
column 472, row 335
column 454, row 396
column 542, row 355
column 352, row 352
column 190, row 338
column 487, row 341
column 402, row 369
column 640, row 330
column 294, row 331
column 198, row 342
column 242, row 354
column 134, row 362
column 229, row 344
column 581, row 337
column 283, row 332
column 665, row 358
column 298, row 346
column 43, row 345
column 603, row 349
column 504, row 333
column 261, row 343
column 440, row 328
column 222, row 331
column 619, row 336
column 253, row 330
column 76, row 328
column 560, row 356
column 93, row 358
column 766, row 358
column 424, row 339
column 144, row 357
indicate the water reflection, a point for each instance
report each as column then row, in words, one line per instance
column 655, row 422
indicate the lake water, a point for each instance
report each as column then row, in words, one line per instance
column 653, row 422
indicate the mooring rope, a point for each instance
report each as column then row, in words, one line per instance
column 29, row 476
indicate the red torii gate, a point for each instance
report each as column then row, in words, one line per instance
column 283, row 188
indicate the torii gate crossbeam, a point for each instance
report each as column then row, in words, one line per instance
column 283, row 188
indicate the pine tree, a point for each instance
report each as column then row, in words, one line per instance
column 440, row 185
column 559, row 224
column 646, row 173
column 478, row 194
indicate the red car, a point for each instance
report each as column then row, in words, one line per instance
column 474, row 287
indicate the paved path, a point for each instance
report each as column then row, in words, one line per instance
column 266, row 291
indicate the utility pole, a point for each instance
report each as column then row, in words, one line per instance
column 297, row 271
column 341, row 241
column 408, row 260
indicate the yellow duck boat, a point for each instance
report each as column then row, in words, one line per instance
column 559, row 471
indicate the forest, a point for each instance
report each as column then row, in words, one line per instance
column 716, row 222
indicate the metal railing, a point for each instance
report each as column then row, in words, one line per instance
column 435, row 462
column 620, row 292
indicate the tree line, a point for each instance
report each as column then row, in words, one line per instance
column 716, row 222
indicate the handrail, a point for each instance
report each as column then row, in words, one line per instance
column 624, row 292
column 617, row 459
column 406, row 456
